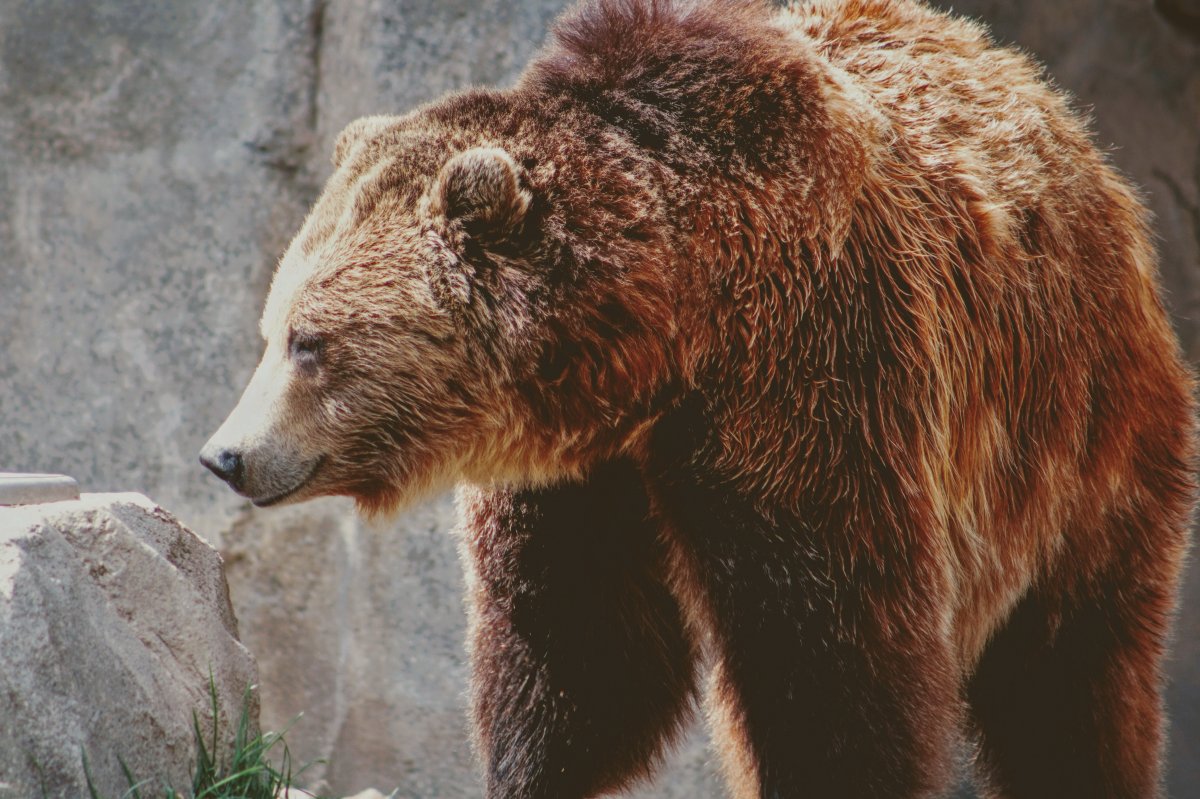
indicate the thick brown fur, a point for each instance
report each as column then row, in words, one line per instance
column 822, row 345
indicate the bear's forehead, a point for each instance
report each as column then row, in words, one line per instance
column 375, row 267
column 366, row 215
column 290, row 277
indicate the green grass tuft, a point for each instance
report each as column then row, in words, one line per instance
column 249, row 774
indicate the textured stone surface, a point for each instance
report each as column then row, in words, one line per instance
column 154, row 158
column 112, row 618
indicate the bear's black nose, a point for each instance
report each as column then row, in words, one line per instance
column 225, row 464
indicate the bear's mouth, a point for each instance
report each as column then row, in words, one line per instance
column 275, row 499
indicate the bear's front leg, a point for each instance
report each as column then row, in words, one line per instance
column 834, row 675
column 581, row 668
column 832, row 678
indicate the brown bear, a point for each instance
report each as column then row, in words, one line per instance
column 817, row 351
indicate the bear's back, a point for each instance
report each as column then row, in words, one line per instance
column 1013, row 294
column 958, row 104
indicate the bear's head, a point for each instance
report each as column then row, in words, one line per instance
column 436, row 318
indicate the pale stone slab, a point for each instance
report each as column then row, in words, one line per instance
column 17, row 488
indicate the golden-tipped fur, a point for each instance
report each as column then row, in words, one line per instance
column 822, row 343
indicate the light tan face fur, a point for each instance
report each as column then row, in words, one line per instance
column 367, row 386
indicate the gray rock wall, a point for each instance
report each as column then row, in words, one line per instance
column 154, row 159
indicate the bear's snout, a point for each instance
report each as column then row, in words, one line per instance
column 255, row 452
column 226, row 464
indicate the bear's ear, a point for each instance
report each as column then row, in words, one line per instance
column 481, row 190
column 357, row 131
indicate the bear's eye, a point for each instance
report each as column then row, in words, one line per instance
column 305, row 349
